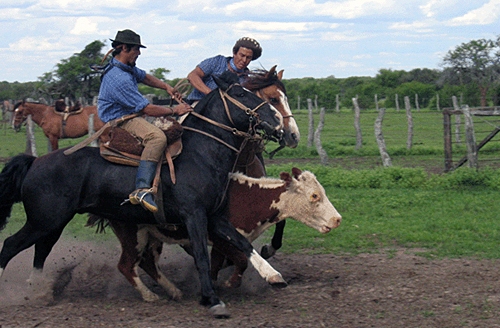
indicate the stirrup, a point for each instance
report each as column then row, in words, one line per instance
column 138, row 196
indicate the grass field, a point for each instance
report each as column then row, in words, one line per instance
column 441, row 215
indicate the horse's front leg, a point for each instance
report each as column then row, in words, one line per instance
column 238, row 259
column 228, row 236
column 197, row 230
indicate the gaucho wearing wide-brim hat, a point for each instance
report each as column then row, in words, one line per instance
column 127, row 37
column 249, row 43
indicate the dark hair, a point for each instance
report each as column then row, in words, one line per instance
column 249, row 43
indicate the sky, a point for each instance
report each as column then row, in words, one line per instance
column 306, row 38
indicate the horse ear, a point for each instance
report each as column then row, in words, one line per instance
column 271, row 72
column 280, row 74
column 296, row 172
column 285, row 176
column 226, row 79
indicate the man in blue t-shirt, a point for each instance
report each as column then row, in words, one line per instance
column 244, row 51
column 119, row 96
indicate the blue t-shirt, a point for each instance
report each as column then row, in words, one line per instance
column 210, row 66
column 119, row 93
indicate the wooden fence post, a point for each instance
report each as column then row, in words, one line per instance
column 310, row 136
column 376, row 102
column 417, row 106
column 458, row 122
column 409, row 140
column 386, row 159
column 337, row 103
column 92, row 131
column 315, row 103
column 317, row 137
column 298, row 102
column 357, row 125
column 397, row 102
column 30, row 137
column 437, row 102
column 448, row 157
column 470, row 138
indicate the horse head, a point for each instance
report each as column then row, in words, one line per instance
column 19, row 116
column 253, row 114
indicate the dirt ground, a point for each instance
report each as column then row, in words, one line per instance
column 81, row 287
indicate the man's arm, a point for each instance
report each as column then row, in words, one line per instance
column 195, row 78
column 155, row 82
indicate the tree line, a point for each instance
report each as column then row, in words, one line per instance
column 471, row 72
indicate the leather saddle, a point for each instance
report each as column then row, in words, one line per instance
column 119, row 146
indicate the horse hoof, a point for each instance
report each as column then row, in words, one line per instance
column 277, row 281
column 219, row 311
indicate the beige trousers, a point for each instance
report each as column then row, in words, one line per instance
column 152, row 138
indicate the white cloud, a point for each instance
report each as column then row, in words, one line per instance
column 84, row 25
column 32, row 43
column 484, row 15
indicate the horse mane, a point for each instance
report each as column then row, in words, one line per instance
column 260, row 78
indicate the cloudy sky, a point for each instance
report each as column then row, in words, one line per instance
column 306, row 38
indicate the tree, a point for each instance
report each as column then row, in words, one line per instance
column 73, row 76
column 477, row 62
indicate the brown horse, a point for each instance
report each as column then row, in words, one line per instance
column 55, row 121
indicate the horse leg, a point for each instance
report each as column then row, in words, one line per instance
column 238, row 259
column 196, row 225
column 268, row 251
column 43, row 247
column 133, row 242
column 149, row 263
column 18, row 242
column 228, row 235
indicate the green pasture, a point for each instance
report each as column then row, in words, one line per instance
column 384, row 209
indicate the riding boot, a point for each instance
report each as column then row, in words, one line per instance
column 143, row 194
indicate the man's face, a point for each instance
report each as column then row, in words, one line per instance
column 243, row 57
column 132, row 55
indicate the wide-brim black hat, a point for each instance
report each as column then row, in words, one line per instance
column 127, row 37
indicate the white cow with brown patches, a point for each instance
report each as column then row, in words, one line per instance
column 254, row 206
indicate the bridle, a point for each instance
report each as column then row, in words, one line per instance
column 252, row 114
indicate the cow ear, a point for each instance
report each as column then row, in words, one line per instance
column 285, row 176
column 296, row 172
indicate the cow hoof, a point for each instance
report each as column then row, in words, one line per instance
column 267, row 251
column 176, row 295
column 277, row 281
column 219, row 311
column 150, row 297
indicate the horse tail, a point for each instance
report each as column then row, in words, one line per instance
column 11, row 181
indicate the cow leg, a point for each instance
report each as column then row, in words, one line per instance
column 226, row 232
column 149, row 263
column 133, row 244
column 268, row 251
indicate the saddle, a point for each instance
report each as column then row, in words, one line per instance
column 119, row 146
column 64, row 111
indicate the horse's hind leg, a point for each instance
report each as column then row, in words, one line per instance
column 43, row 247
column 238, row 259
column 149, row 263
column 17, row 243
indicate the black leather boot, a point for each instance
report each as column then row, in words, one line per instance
column 143, row 194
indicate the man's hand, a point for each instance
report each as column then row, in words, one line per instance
column 182, row 109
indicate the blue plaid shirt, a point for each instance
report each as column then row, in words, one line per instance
column 210, row 66
column 119, row 94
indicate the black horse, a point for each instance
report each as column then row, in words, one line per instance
column 54, row 187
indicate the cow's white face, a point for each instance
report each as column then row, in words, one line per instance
column 306, row 201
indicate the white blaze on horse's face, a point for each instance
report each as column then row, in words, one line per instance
column 292, row 133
